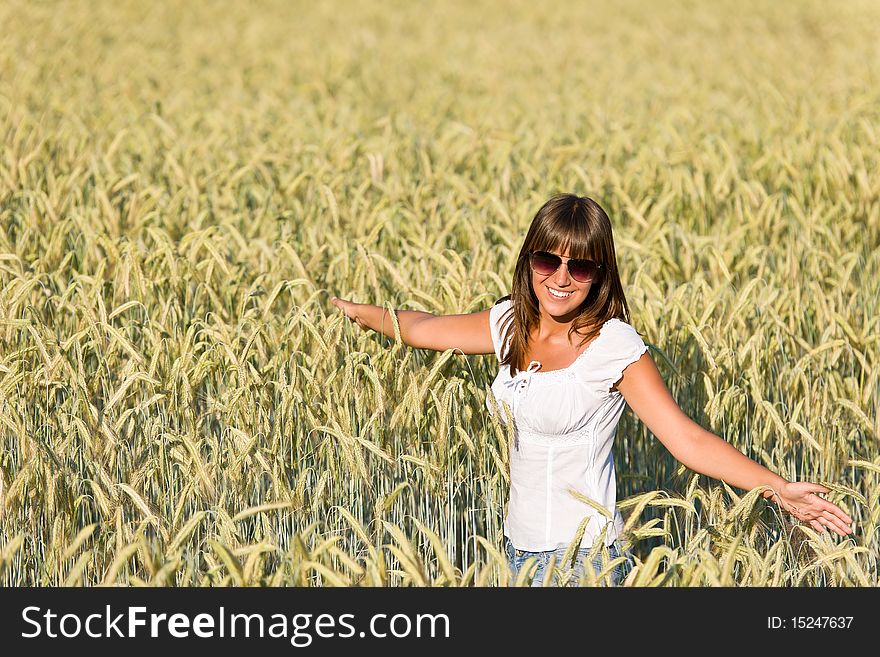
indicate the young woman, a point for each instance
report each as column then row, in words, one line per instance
column 572, row 362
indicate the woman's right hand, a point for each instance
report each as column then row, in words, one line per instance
column 349, row 308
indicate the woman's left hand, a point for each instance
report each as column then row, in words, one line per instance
column 799, row 498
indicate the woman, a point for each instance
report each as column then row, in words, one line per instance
column 573, row 362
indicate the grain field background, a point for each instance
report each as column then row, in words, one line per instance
column 184, row 185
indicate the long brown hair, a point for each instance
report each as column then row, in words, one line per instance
column 580, row 224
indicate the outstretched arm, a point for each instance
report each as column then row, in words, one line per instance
column 467, row 333
column 376, row 318
column 704, row 452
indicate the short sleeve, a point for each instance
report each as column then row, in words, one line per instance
column 621, row 345
column 497, row 314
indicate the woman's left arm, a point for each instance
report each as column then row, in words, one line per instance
column 705, row 453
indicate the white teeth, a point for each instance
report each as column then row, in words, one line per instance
column 558, row 294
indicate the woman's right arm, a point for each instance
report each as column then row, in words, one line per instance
column 468, row 333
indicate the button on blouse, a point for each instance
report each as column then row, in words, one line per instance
column 519, row 384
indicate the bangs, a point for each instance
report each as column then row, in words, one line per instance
column 583, row 243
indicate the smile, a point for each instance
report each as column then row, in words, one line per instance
column 558, row 294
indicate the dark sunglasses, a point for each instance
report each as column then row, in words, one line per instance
column 544, row 264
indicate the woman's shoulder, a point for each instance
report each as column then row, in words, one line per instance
column 504, row 302
column 618, row 326
column 497, row 314
column 617, row 345
column 617, row 333
column 499, row 309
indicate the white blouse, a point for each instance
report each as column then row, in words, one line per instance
column 564, row 426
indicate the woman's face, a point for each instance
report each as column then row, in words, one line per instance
column 560, row 281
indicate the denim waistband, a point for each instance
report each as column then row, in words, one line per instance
column 521, row 553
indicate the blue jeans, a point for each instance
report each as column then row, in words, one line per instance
column 538, row 564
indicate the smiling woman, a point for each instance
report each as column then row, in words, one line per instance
column 569, row 361
column 565, row 285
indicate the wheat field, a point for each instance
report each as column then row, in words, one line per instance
column 183, row 186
